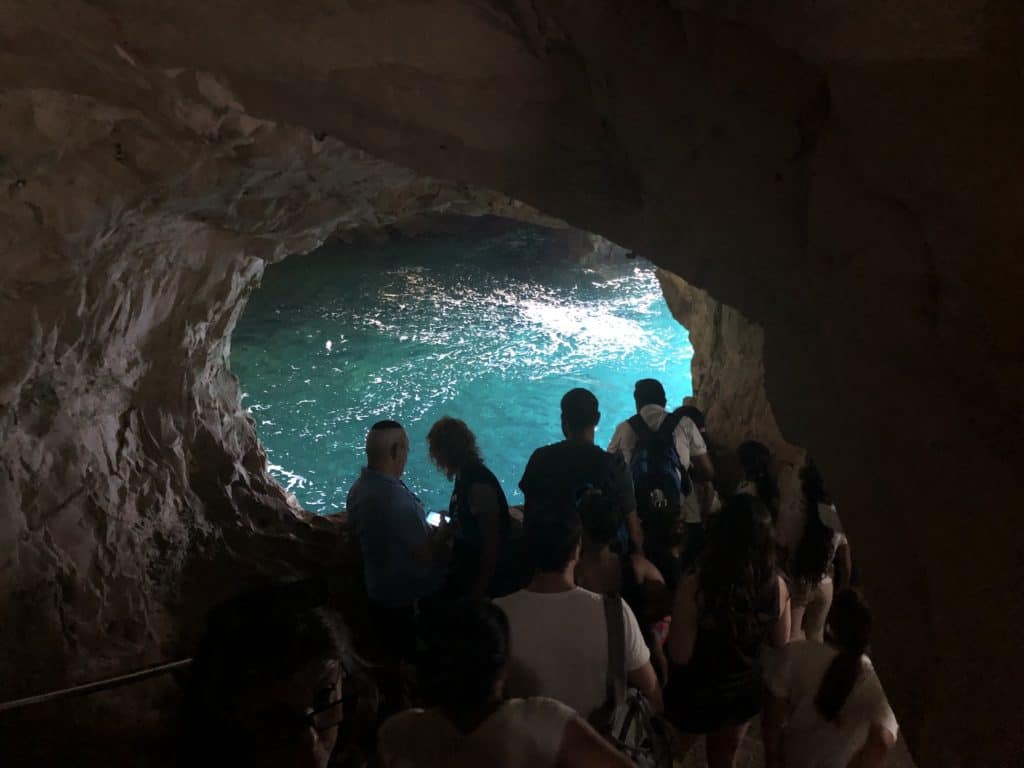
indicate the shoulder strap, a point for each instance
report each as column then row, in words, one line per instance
column 603, row 718
column 640, row 428
column 670, row 422
column 616, row 685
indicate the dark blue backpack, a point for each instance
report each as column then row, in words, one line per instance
column 660, row 480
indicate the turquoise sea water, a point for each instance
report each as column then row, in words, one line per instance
column 492, row 329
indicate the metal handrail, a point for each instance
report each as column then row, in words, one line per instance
column 100, row 685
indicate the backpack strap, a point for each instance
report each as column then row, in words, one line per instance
column 640, row 428
column 615, row 691
column 670, row 422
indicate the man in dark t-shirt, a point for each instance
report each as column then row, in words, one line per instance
column 557, row 474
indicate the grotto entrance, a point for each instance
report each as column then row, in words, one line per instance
column 486, row 319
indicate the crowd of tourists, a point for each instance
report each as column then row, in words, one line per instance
column 630, row 606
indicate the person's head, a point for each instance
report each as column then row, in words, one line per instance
column 756, row 460
column 553, row 536
column 738, row 562
column 452, row 445
column 462, row 651
column 849, row 630
column 600, row 517
column 580, row 414
column 696, row 415
column 268, row 680
column 813, row 484
column 649, row 392
column 387, row 448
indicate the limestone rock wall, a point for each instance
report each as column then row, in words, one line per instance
column 728, row 372
column 134, row 493
column 844, row 174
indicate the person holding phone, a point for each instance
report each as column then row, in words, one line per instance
column 478, row 513
column 403, row 560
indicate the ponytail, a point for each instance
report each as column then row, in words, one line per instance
column 849, row 627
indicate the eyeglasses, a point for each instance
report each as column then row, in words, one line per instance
column 280, row 725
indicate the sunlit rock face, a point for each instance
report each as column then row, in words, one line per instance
column 843, row 175
column 728, row 371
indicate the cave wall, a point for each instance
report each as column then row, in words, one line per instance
column 134, row 493
column 728, row 371
column 845, row 175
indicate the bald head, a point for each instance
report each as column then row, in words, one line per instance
column 387, row 448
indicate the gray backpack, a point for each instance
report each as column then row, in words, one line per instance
column 625, row 719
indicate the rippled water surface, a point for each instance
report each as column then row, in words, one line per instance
column 491, row 329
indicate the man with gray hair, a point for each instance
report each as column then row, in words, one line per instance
column 399, row 562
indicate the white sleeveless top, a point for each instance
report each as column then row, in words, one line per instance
column 522, row 733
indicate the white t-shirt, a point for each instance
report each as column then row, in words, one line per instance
column 522, row 733
column 559, row 646
column 687, row 437
column 811, row 741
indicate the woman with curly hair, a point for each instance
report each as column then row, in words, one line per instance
column 725, row 613
column 478, row 512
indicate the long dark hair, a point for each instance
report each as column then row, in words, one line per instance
column 756, row 459
column 737, row 567
column 849, row 629
column 815, row 550
column 452, row 445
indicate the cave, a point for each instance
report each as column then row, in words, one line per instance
column 835, row 187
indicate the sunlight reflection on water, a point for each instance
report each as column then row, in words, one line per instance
column 493, row 330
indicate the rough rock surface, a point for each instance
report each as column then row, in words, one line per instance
column 845, row 174
column 133, row 489
column 729, row 386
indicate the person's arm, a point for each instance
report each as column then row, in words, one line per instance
column 648, row 572
column 682, row 636
column 528, row 482
column 660, row 664
column 636, row 536
column 702, row 469
column 872, row 754
column 639, row 672
column 705, row 491
column 583, row 747
column 618, row 443
column 623, row 486
column 773, row 723
column 645, row 680
column 483, row 504
column 779, row 635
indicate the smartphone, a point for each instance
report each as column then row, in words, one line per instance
column 434, row 518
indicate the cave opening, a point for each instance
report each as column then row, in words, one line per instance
column 483, row 318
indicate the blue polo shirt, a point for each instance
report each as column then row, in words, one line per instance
column 392, row 527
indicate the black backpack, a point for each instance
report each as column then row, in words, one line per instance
column 660, row 480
